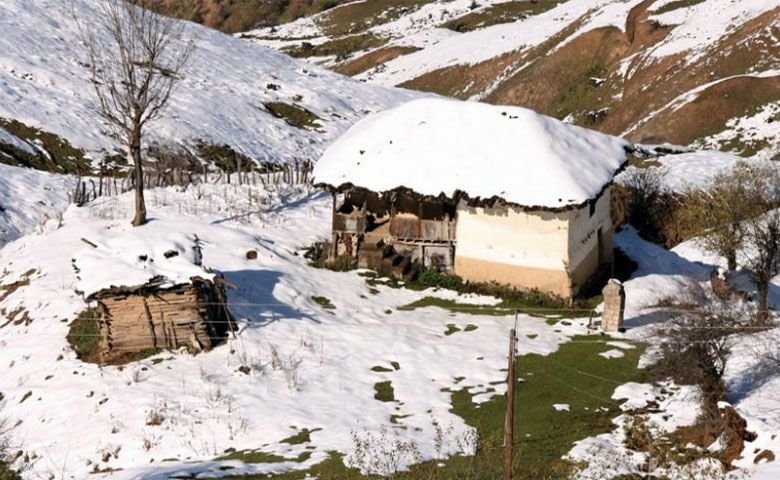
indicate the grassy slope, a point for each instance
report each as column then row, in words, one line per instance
column 575, row 375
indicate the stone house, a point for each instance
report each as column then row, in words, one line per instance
column 490, row 193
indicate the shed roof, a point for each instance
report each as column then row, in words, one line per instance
column 437, row 146
column 129, row 261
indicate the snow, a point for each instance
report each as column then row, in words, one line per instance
column 757, row 130
column 493, row 41
column 698, row 26
column 612, row 14
column 135, row 256
column 692, row 170
column 419, row 26
column 219, row 101
column 613, row 353
column 562, row 407
column 436, row 146
column 8, row 138
column 30, row 200
column 306, row 363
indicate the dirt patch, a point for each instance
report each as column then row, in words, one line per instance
column 500, row 13
column 341, row 48
column 233, row 16
column 710, row 111
column 63, row 157
column 372, row 59
column 360, row 16
column 294, row 115
column 8, row 289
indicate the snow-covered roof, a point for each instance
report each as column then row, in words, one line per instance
column 130, row 260
column 438, row 146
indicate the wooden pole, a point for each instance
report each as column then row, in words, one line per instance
column 509, row 424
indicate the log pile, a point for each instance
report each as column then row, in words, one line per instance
column 134, row 320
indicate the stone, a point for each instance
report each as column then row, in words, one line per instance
column 614, row 306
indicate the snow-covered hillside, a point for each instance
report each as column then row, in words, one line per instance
column 659, row 70
column 220, row 101
column 294, row 365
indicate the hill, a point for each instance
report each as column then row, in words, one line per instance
column 239, row 15
column 238, row 96
column 693, row 72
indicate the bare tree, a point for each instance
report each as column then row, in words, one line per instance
column 6, row 472
column 136, row 58
column 717, row 215
column 647, row 208
column 764, row 257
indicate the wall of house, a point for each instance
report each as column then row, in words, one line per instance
column 514, row 247
column 553, row 252
column 590, row 241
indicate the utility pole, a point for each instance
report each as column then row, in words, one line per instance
column 509, row 424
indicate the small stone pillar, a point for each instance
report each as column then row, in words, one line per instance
column 614, row 306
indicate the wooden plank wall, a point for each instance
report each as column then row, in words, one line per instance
column 167, row 319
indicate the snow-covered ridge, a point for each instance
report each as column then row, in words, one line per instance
column 220, row 101
column 436, row 146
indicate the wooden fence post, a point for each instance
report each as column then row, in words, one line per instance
column 509, row 425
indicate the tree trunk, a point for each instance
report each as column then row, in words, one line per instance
column 140, row 203
column 762, row 317
column 731, row 259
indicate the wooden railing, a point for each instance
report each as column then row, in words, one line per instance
column 429, row 230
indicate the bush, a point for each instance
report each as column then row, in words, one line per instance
column 511, row 297
column 84, row 335
column 432, row 278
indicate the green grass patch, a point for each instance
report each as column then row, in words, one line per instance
column 451, row 329
column 507, row 307
column 500, row 13
column 252, row 456
column 381, row 369
column 259, row 456
column 324, row 302
column 575, row 374
column 294, row 115
column 341, row 48
column 531, row 301
column 395, row 365
column 583, row 95
column 84, row 338
column 384, row 392
column 84, row 335
column 470, row 327
column 394, row 418
column 224, row 157
column 303, row 436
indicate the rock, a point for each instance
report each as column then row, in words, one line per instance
column 251, row 255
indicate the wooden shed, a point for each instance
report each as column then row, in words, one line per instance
column 148, row 317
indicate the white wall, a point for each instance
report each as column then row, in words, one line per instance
column 513, row 237
column 583, row 236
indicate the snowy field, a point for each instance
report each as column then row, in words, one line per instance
column 294, row 364
column 305, row 362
